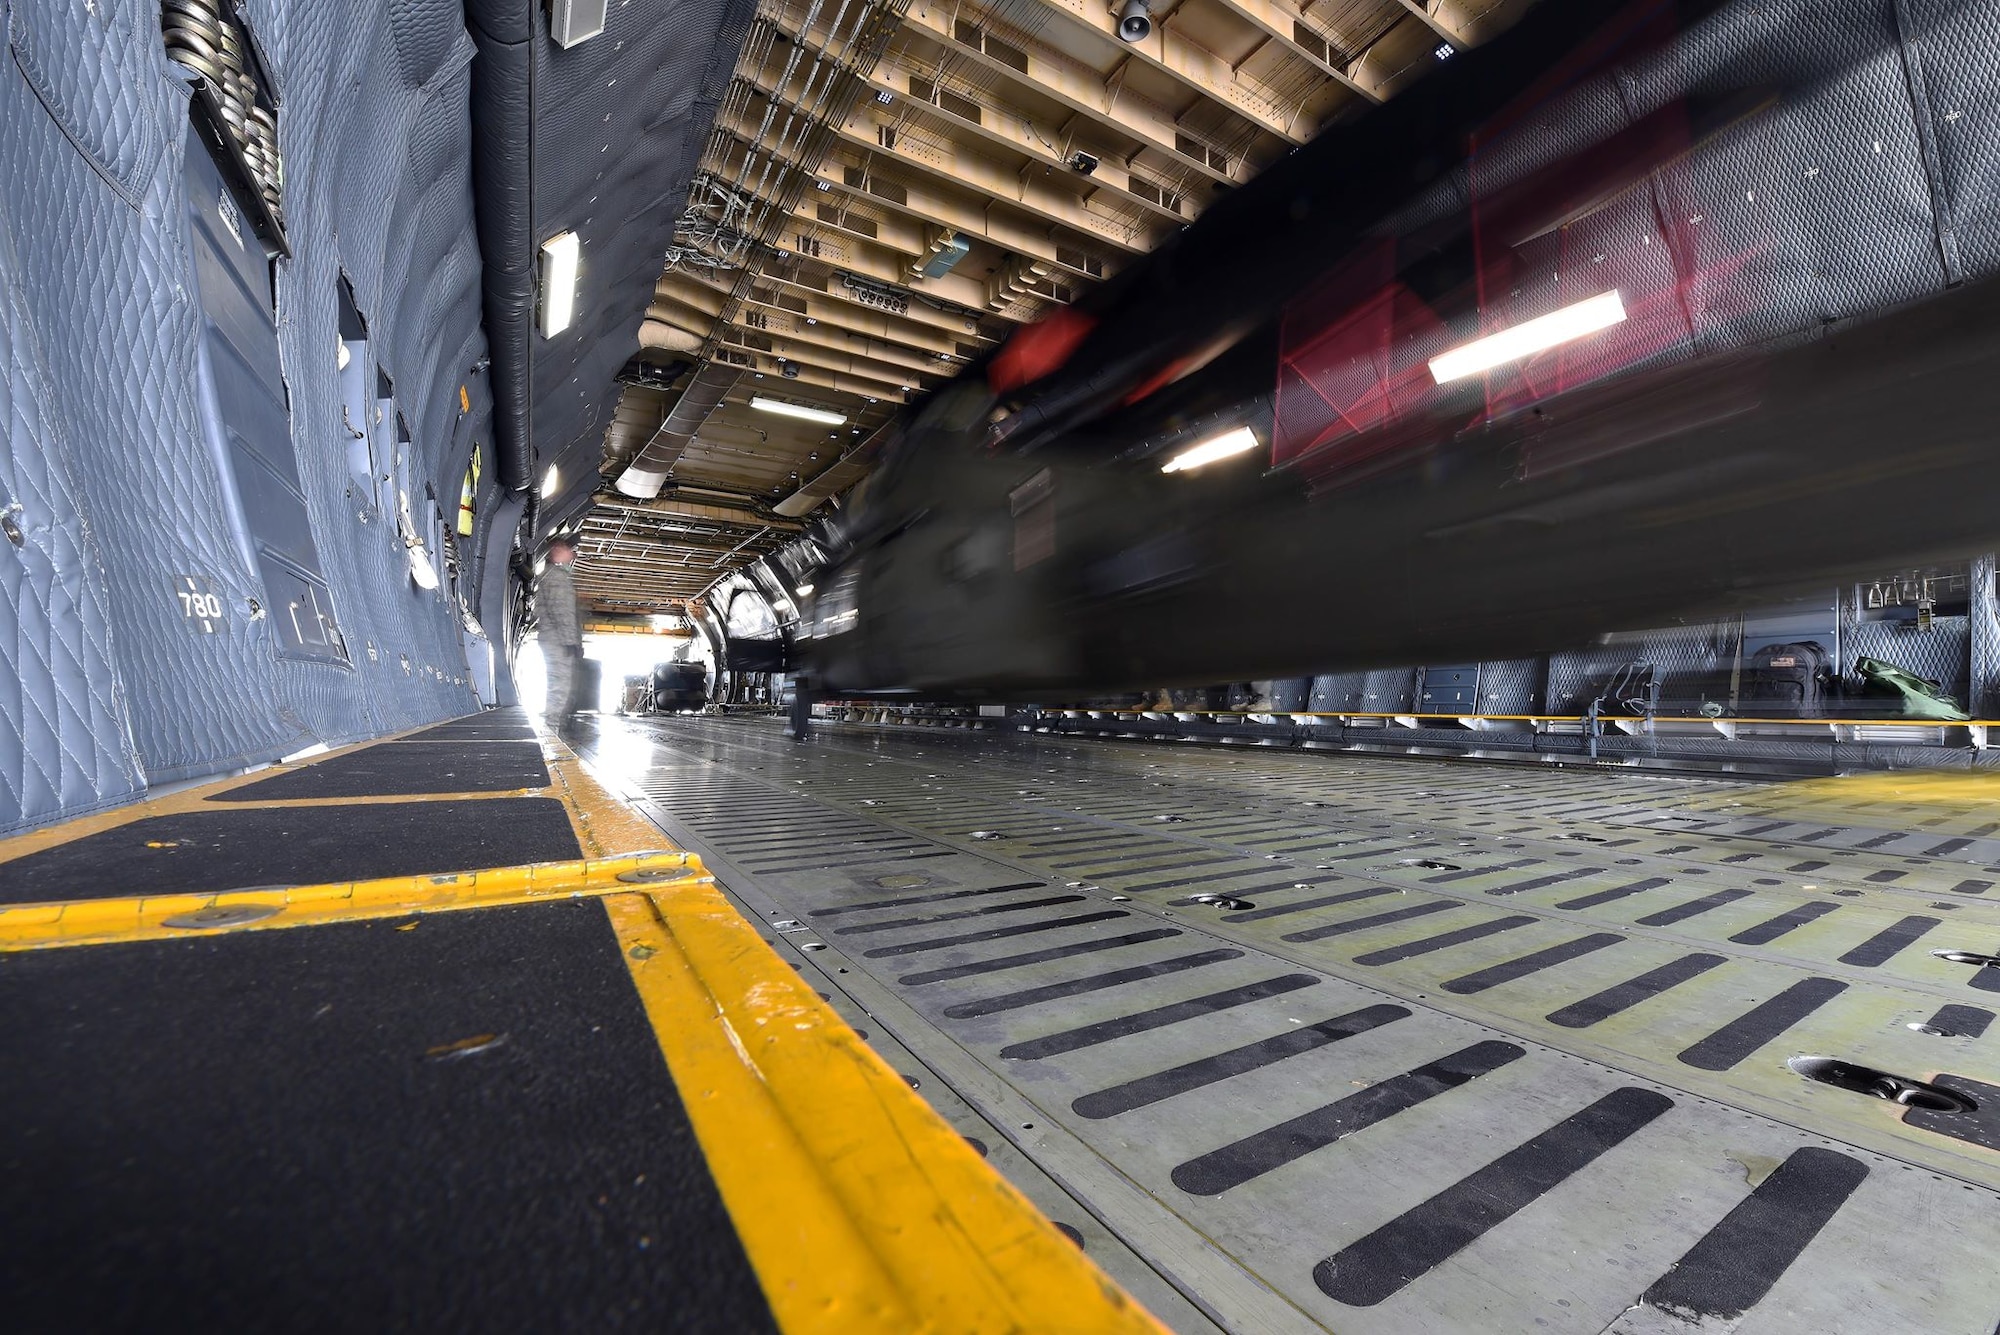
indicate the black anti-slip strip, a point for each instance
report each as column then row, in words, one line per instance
column 1591, row 901
column 1253, row 1156
column 1772, row 928
column 1467, row 873
column 1177, row 883
column 234, row 847
column 991, row 934
column 1209, row 1070
column 1682, row 912
column 1881, row 947
column 1099, row 982
column 1104, row 1031
column 406, row 769
column 1378, row 1266
column 1626, row 995
column 1445, row 940
column 1575, row 874
column 1735, row 1264
column 1760, row 1024
column 1964, row 1021
column 1324, row 901
column 926, row 899
column 988, row 910
column 1535, row 963
column 1972, row 887
column 462, row 1126
column 1036, row 957
column 1372, row 920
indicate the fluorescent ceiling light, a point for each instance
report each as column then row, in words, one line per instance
column 798, row 410
column 1221, row 447
column 550, row 481
column 805, row 590
column 1525, row 340
column 559, row 259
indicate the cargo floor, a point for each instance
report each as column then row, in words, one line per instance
column 1398, row 1045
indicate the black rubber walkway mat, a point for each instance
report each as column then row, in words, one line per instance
column 225, row 849
column 479, row 728
column 463, row 1126
column 404, row 770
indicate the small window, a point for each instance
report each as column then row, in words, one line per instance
column 356, row 404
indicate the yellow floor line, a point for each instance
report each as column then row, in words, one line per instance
column 156, row 917
column 605, row 824
column 861, row 1210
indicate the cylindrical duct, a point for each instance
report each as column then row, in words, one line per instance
column 647, row 472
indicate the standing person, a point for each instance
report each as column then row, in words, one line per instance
column 560, row 627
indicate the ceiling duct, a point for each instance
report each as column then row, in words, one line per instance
column 647, row 472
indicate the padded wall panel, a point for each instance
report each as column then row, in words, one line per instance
column 64, row 735
column 375, row 134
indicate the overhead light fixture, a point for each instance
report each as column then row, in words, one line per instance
column 1445, row 51
column 798, row 410
column 1229, row 443
column 550, row 481
column 559, row 259
column 1525, row 340
column 805, row 590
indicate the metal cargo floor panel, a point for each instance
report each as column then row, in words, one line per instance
column 1396, row 1045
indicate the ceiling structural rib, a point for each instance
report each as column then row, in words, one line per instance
column 1196, row 68
column 1023, row 62
column 848, row 173
column 921, row 137
column 889, row 189
column 697, row 511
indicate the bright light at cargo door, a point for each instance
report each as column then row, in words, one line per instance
column 550, row 481
column 1222, row 447
column 1525, row 340
column 559, row 259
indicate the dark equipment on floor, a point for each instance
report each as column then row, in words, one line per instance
column 1910, row 695
column 678, row 687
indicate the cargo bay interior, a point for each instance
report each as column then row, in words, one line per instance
column 1247, row 666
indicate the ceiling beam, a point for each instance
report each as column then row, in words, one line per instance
column 1281, row 20
column 917, row 205
column 741, row 515
column 1082, row 90
column 943, row 162
column 1193, row 66
column 1010, row 132
column 1451, row 27
column 955, row 212
column 885, row 361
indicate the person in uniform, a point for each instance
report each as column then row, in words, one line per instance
column 560, row 628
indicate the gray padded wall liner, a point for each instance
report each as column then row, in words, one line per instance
column 110, row 688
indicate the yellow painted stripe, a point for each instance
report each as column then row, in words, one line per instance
column 604, row 823
column 861, row 1210
column 156, row 917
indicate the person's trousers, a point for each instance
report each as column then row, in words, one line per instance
column 564, row 662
